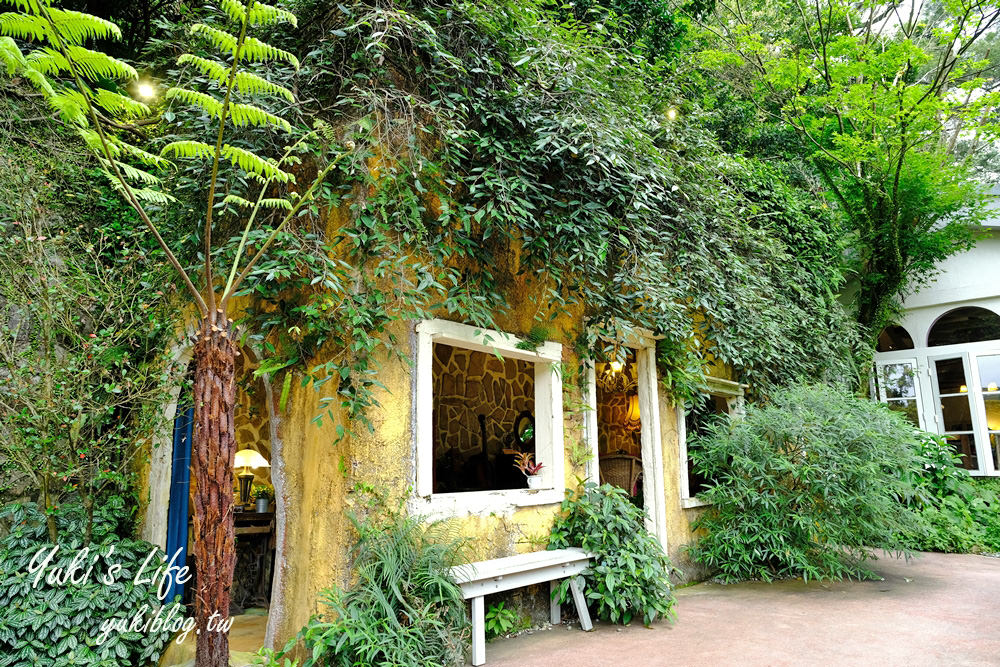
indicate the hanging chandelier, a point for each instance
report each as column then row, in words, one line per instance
column 617, row 377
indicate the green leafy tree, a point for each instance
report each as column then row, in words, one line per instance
column 878, row 96
column 84, row 86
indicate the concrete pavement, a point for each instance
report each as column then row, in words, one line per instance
column 936, row 609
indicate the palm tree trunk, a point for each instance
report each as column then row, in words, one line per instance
column 212, row 465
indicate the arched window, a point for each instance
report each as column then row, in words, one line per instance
column 894, row 338
column 964, row 325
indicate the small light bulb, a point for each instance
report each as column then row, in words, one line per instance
column 963, row 389
column 672, row 114
column 616, row 366
column 146, row 91
column 992, row 386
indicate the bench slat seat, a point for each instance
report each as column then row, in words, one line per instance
column 504, row 574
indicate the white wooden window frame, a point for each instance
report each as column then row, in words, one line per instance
column 880, row 383
column 549, row 448
column 650, row 441
column 930, row 405
column 976, row 409
column 733, row 392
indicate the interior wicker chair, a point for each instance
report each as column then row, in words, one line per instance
column 621, row 470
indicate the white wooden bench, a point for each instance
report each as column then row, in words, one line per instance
column 504, row 574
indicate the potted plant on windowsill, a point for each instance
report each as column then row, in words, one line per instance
column 524, row 461
column 263, row 495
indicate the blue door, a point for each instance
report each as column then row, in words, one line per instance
column 180, row 482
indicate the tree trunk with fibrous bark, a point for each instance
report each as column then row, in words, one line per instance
column 214, row 449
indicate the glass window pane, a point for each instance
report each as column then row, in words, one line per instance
column 992, row 412
column 995, row 448
column 965, row 325
column 956, row 414
column 908, row 407
column 989, row 372
column 951, row 376
column 894, row 338
column 898, row 381
column 965, row 444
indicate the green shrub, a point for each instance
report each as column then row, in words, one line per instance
column 501, row 620
column 630, row 575
column 806, row 485
column 964, row 521
column 402, row 609
column 53, row 625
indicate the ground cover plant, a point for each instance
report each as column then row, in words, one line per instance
column 401, row 607
column 55, row 625
column 806, row 485
column 630, row 575
column 954, row 513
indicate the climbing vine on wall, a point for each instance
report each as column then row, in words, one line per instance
column 501, row 144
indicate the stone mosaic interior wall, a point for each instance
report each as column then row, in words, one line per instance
column 252, row 423
column 468, row 384
column 612, row 408
column 612, row 436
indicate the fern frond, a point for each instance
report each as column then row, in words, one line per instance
column 48, row 61
column 25, row 5
column 255, row 164
column 247, row 114
column 261, row 14
column 256, row 51
column 153, row 196
column 251, row 84
column 246, row 82
column 131, row 173
column 239, row 201
column 271, row 202
column 23, row 26
column 95, row 65
column 133, row 151
column 11, row 56
column 77, row 27
column 220, row 39
column 213, row 69
column 188, row 149
column 276, row 202
column 120, row 105
column 207, row 103
column 69, row 104
column 234, row 10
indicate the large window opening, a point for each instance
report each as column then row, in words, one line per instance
column 898, row 388
column 894, row 338
column 964, row 325
column 481, row 399
column 989, row 381
column 955, row 409
column 619, row 424
column 725, row 398
column 484, row 416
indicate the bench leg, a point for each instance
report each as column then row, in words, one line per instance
column 576, row 587
column 478, row 631
column 555, row 612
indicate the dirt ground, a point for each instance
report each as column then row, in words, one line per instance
column 936, row 609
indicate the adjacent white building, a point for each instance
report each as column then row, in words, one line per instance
column 941, row 364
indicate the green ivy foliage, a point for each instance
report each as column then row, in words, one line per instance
column 630, row 575
column 500, row 144
column 59, row 625
column 806, row 485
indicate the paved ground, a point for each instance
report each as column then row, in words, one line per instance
column 936, row 609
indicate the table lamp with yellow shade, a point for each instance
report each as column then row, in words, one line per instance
column 246, row 459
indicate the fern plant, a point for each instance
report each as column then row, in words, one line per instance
column 85, row 88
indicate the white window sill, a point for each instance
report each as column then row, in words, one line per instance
column 691, row 503
column 483, row 503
